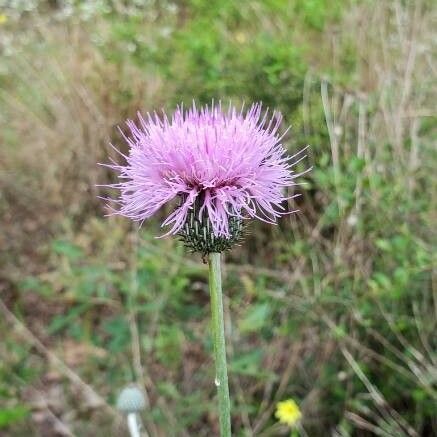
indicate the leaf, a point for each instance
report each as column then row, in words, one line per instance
column 119, row 332
column 9, row 416
column 256, row 318
column 247, row 364
column 67, row 249
column 168, row 346
column 63, row 321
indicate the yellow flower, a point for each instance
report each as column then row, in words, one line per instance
column 3, row 18
column 288, row 412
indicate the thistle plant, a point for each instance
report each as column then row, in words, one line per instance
column 221, row 168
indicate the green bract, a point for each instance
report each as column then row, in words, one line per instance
column 198, row 236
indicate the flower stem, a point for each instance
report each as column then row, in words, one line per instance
column 132, row 424
column 221, row 380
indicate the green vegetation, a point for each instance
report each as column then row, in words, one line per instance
column 334, row 308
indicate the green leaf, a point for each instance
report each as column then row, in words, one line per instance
column 119, row 332
column 71, row 251
column 8, row 416
column 247, row 364
column 256, row 318
column 168, row 346
column 63, row 321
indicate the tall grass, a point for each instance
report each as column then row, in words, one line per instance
column 335, row 307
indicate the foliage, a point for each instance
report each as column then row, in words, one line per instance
column 333, row 308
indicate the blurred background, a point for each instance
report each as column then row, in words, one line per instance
column 335, row 307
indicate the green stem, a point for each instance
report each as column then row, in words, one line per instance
column 218, row 330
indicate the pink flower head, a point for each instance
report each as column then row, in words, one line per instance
column 222, row 163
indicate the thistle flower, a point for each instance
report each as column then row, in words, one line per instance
column 288, row 412
column 223, row 166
